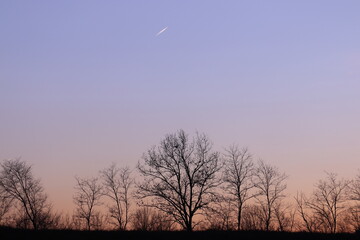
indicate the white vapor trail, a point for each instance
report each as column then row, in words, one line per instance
column 163, row 30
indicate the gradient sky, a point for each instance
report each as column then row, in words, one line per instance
column 87, row 83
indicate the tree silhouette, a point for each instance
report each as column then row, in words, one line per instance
column 17, row 180
column 87, row 196
column 117, row 183
column 237, row 177
column 5, row 203
column 327, row 201
column 309, row 221
column 354, row 196
column 146, row 219
column 270, row 186
column 180, row 176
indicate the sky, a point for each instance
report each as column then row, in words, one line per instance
column 87, row 83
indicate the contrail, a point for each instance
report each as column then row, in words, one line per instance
column 161, row 31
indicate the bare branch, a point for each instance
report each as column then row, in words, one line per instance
column 117, row 183
column 237, row 176
column 270, row 186
column 87, row 196
column 180, row 176
column 17, row 181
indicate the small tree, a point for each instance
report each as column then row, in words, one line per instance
column 352, row 218
column 354, row 196
column 285, row 216
column 220, row 215
column 354, row 188
column 5, row 204
column 180, row 176
column 327, row 201
column 270, row 186
column 141, row 219
column 309, row 221
column 117, row 183
column 147, row 219
column 237, row 177
column 86, row 198
column 253, row 218
column 18, row 182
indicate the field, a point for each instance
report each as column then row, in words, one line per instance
column 8, row 233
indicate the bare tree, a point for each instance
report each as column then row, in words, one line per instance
column 117, row 183
column 352, row 218
column 66, row 222
column 354, row 188
column 327, row 201
column 18, row 182
column 146, row 219
column 161, row 221
column 270, row 186
column 220, row 215
column 253, row 218
column 86, row 198
column 237, row 177
column 141, row 219
column 5, row 204
column 180, row 176
column 285, row 216
column 309, row 221
column 354, row 196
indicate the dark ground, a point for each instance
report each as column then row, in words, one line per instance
column 8, row 233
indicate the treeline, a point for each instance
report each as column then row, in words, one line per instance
column 184, row 185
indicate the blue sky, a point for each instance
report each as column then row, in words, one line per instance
column 87, row 83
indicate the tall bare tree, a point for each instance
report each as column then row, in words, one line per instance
column 117, row 183
column 86, row 198
column 327, row 201
column 18, row 182
column 237, row 177
column 270, row 186
column 180, row 176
